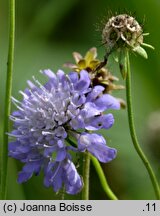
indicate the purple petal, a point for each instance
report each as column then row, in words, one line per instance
column 15, row 132
column 77, row 123
column 60, row 132
column 108, row 121
column 98, row 122
column 96, row 145
column 33, row 166
column 23, row 148
column 48, row 151
column 57, row 183
column 94, row 123
column 76, row 188
column 84, row 81
column 89, row 110
column 61, row 154
column 73, row 77
column 97, row 90
column 23, row 177
column 73, row 182
column 107, row 101
column 31, row 85
column 78, row 100
column 60, row 143
column 102, row 153
column 53, row 175
column 57, row 178
column 13, row 145
column 61, row 76
column 53, row 81
column 17, row 113
column 17, row 155
column 50, row 74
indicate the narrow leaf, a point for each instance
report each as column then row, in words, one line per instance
column 145, row 34
column 139, row 50
column 148, row 45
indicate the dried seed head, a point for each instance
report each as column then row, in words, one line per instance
column 122, row 31
column 89, row 63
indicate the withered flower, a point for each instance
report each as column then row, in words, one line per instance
column 89, row 63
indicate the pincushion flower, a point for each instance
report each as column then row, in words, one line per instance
column 49, row 116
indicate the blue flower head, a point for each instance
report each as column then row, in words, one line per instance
column 66, row 106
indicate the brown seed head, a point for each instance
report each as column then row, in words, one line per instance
column 122, row 31
column 89, row 63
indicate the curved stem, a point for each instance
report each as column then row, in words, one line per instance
column 4, row 155
column 99, row 170
column 133, row 133
column 86, row 171
column 103, row 180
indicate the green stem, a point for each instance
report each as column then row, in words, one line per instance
column 103, row 180
column 4, row 150
column 86, row 170
column 133, row 133
column 98, row 168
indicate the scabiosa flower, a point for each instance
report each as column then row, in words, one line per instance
column 49, row 116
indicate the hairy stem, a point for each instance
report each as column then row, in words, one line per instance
column 133, row 133
column 86, row 172
column 103, row 180
column 4, row 155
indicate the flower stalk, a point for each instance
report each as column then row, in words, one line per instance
column 103, row 180
column 133, row 132
column 86, row 171
column 4, row 155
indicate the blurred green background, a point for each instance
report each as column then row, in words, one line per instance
column 47, row 32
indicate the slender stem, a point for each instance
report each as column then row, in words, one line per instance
column 133, row 133
column 103, row 180
column 4, row 154
column 86, row 171
column 98, row 168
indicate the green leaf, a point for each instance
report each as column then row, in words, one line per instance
column 148, row 45
column 145, row 34
column 139, row 50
